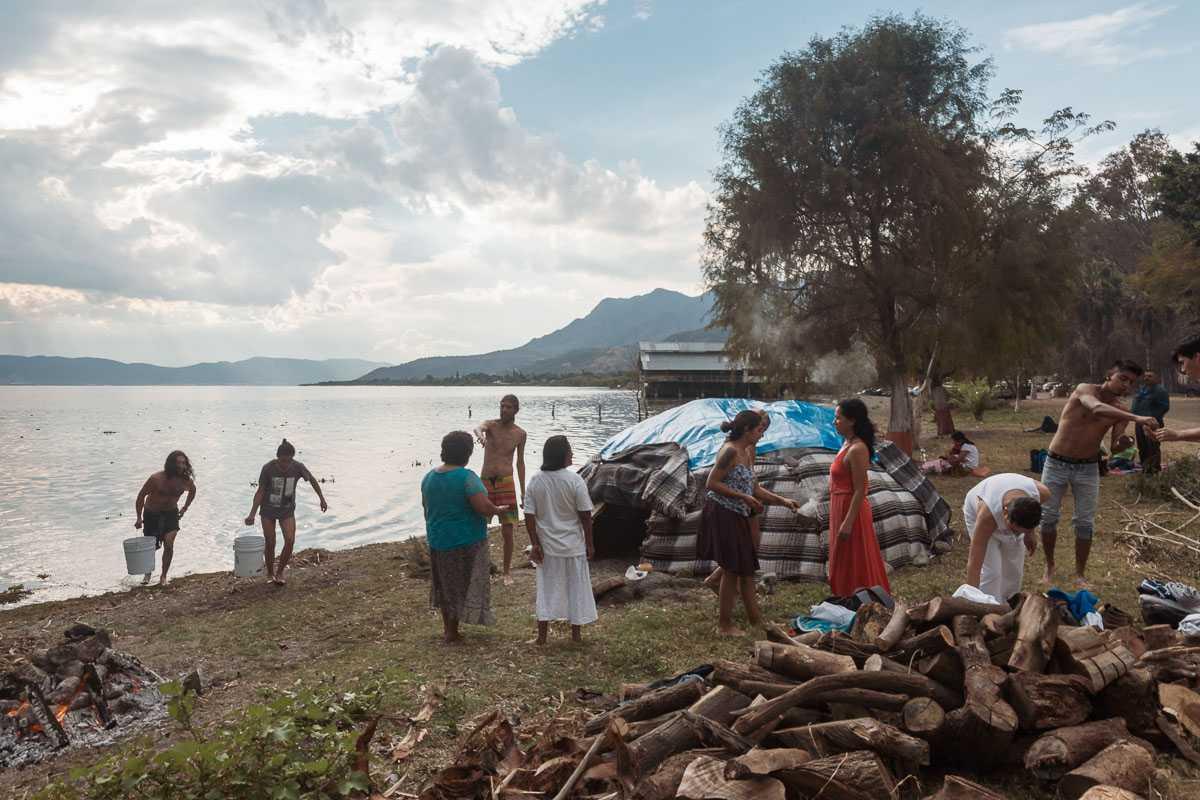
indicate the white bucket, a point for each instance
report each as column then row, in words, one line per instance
column 139, row 555
column 249, row 556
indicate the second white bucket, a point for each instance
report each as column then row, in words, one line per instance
column 139, row 555
column 249, row 556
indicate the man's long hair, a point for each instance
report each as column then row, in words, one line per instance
column 173, row 471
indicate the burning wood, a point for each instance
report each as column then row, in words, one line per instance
column 963, row 687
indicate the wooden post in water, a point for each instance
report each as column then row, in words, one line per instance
column 599, row 413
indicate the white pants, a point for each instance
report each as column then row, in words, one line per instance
column 564, row 590
column 1003, row 566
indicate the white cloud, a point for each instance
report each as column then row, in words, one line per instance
column 299, row 177
column 1100, row 39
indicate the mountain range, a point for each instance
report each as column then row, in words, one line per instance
column 603, row 342
column 55, row 371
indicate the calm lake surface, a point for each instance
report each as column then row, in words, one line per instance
column 74, row 459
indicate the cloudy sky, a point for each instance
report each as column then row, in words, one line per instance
column 388, row 179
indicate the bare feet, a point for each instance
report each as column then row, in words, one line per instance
column 730, row 632
column 540, row 642
column 278, row 580
column 146, row 579
column 507, row 579
column 1048, row 576
column 455, row 639
column 163, row 580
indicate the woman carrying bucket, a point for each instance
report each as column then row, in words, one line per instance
column 276, row 495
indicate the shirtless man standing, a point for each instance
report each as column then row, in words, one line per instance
column 1074, row 458
column 500, row 439
column 157, row 508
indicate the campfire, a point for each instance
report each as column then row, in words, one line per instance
column 80, row 692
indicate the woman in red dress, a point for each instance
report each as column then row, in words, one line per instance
column 854, row 559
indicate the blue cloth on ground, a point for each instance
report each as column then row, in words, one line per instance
column 697, row 426
column 1080, row 603
column 808, row 624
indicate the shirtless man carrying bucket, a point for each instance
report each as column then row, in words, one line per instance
column 157, row 507
column 500, row 439
column 1074, row 458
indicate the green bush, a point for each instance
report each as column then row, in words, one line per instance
column 298, row 743
column 974, row 396
column 1183, row 474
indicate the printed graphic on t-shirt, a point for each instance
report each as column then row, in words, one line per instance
column 282, row 491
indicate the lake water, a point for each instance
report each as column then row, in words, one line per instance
column 74, row 459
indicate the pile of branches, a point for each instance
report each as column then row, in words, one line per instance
column 949, row 688
column 1158, row 535
column 1180, row 477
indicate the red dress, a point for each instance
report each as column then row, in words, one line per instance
column 856, row 562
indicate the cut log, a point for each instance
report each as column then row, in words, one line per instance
column 893, row 632
column 602, row 586
column 1124, row 765
column 923, row 717
column 1173, row 664
column 649, row 705
column 946, row 668
column 956, row 788
column 643, row 756
column 869, row 621
column 850, row 776
column 880, row 663
column 1037, row 630
column 943, row 609
column 864, row 733
column 1131, row 638
column 866, row 698
column 1177, row 738
column 704, row 779
column 1093, row 654
column 913, row 685
column 720, row 704
column 984, row 715
column 800, row 661
column 734, row 673
column 1109, row 793
column 630, row 691
column 1043, row 702
column 930, row 643
column 1060, row 751
column 777, row 634
column 765, row 761
column 1159, row 636
column 1132, row 697
column 843, row 644
column 1000, row 648
column 1182, row 704
column 664, row 783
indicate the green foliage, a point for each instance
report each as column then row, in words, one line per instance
column 298, row 743
column 1182, row 474
column 974, row 396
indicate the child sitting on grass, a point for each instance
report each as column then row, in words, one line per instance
column 558, row 517
column 1124, row 457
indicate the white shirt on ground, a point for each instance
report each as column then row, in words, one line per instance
column 970, row 454
column 556, row 499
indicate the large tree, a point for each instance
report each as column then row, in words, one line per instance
column 857, row 198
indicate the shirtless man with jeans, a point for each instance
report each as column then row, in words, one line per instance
column 157, row 507
column 500, row 439
column 1074, row 459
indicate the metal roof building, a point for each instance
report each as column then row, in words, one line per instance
column 679, row 370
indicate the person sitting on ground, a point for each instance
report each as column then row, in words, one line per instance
column 726, row 537
column 457, row 509
column 558, row 517
column 276, row 495
column 1002, row 514
column 1187, row 361
column 962, row 458
column 157, row 508
column 1124, row 455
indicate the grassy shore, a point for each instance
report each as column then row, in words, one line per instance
column 357, row 613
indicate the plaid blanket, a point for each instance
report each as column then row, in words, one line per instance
column 907, row 511
column 649, row 477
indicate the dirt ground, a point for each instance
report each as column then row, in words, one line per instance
column 357, row 612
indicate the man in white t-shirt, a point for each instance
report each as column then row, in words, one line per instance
column 558, row 517
column 1001, row 514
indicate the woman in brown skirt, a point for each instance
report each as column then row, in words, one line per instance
column 725, row 528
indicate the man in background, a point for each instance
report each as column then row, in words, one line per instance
column 1151, row 400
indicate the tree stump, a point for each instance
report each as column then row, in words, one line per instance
column 1037, row 630
column 1060, row 751
column 800, row 661
column 1123, row 765
column 985, row 717
column 1043, row 702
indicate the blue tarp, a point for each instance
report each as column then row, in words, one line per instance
column 697, row 426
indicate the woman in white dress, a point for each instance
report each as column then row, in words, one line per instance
column 558, row 517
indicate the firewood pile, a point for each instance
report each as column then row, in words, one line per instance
column 913, row 702
column 80, row 692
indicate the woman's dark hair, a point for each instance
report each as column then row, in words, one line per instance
column 1025, row 511
column 960, row 437
column 457, row 447
column 744, row 421
column 173, row 471
column 554, row 453
column 285, row 450
column 855, row 410
column 1188, row 348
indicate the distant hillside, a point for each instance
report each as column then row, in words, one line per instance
column 604, row 342
column 54, row 371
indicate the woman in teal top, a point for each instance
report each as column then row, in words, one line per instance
column 456, row 513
